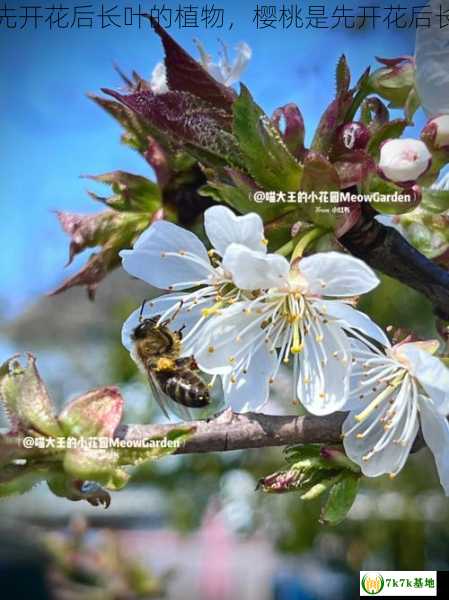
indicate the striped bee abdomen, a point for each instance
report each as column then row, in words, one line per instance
column 186, row 388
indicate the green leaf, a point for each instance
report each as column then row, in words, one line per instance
column 18, row 479
column 340, row 499
column 435, row 201
column 266, row 155
column 132, row 193
column 412, row 104
column 389, row 130
column 26, row 399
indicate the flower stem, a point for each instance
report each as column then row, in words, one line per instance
column 307, row 238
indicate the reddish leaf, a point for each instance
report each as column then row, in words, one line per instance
column 186, row 119
column 185, row 74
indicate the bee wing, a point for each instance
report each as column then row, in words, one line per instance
column 166, row 404
column 157, row 393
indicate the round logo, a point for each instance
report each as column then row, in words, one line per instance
column 372, row 583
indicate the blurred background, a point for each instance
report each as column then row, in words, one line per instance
column 188, row 526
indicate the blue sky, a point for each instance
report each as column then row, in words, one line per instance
column 51, row 133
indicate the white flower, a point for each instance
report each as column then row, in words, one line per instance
column 297, row 313
column 224, row 71
column 394, row 392
column 158, row 81
column 404, row 160
column 169, row 257
column 432, row 55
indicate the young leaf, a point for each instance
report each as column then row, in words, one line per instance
column 343, row 75
column 188, row 120
column 266, row 156
column 390, row 130
column 185, row 74
column 341, row 498
column 26, row 399
column 97, row 413
column 132, row 193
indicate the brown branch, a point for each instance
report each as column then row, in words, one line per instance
column 234, row 431
column 385, row 249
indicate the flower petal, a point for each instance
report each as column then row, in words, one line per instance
column 166, row 255
column 336, row 274
column 252, row 388
column 351, row 318
column 435, row 429
column 223, row 228
column 375, row 448
column 431, row 373
column 252, row 270
column 234, row 73
column 432, row 76
column 325, row 367
column 221, row 345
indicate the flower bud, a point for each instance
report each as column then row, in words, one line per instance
column 352, row 136
column 395, row 80
column 404, row 160
column 436, row 132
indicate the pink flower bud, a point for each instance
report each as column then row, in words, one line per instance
column 352, row 136
column 403, row 161
column 437, row 132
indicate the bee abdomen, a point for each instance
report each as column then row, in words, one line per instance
column 187, row 389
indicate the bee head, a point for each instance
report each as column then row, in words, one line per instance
column 144, row 328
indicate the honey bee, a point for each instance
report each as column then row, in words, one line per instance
column 157, row 349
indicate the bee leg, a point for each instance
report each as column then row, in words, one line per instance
column 174, row 315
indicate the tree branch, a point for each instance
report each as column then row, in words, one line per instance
column 385, row 249
column 234, row 431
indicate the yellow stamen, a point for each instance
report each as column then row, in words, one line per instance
column 373, row 405
column 207, row 312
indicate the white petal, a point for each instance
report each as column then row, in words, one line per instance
column 156, row 307
column 391, row 457
column 158, row 82
column 336, row 274
column 324, row 388
column 435, row 429
column 403, row 160
column 431, row 373
column 252, row 270
column 252, row 389
column 221, row 344
column 432, row 56
column 223, row 228
column 244, row 54
column 149, row 260
column 351, row 318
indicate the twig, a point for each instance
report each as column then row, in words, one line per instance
column 385, row 249
column 234, row 431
